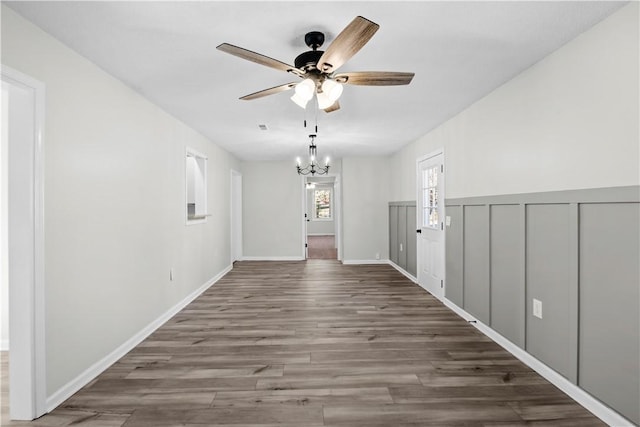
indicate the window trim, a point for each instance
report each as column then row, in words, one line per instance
column 315, row 211
column 426, row 206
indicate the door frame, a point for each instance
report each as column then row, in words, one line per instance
column 27, row 369
column 235, row 197
column 440, row 151
column 305, row 202
column 337, row 213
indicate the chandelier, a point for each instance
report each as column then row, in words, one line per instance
column 312, row 168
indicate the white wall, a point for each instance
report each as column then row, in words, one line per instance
column 365, row 189
column 114, row 205
column 272, row 210
column 568, row 122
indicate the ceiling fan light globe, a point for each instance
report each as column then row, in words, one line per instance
column 333, row 89
column 302, row 102
column 324, row 101
column 305, row 89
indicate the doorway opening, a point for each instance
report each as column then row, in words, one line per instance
column 236, row 216
column 322, row 217
column 4, row 260
column 23, row 242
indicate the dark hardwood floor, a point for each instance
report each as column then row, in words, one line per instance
column 317, row 343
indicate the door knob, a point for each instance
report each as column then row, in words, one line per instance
column 419, row 230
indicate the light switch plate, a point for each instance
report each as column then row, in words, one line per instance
column 447, row 220
column 537, row 308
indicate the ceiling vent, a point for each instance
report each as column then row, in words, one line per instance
column 263, row 127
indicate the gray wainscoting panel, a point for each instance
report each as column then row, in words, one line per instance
column 507, row 272
column 609, row 357
column 476, row 262
column 453, row 289
column 393, row 233
column 587, row 195
column 548, row 274
column 402, row 236
column 412, row 256
column 578, row 252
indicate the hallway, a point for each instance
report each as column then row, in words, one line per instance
column 317, row 343
column 321, row 247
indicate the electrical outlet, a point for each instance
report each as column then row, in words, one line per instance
column 537, row 308
column 377, row 255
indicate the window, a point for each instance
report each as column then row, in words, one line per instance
column 196, row 167
column 430, row 197
column 322, row 206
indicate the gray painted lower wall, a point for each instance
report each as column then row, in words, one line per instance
column 476, row 263
column 454, row 289
column 507, row 255
column 577, row 253
column 547, row 280
column 402, row 235
column 609, row 295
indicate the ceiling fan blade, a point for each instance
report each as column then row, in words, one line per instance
column 375, row 78
column 259, row 58
column 347, row 43
column 335, row 106
column 270, row 91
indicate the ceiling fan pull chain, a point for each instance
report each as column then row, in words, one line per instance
column 305, row 118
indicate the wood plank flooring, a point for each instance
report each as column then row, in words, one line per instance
column 317, row 343
column 321, row 247
column 4, row 388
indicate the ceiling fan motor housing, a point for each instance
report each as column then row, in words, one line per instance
column 307, row 61
column 314, row 39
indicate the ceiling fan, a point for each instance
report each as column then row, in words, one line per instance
column 317, row 68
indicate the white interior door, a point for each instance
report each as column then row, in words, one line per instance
column 430, row 227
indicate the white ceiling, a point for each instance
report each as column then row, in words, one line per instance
column 459, row 52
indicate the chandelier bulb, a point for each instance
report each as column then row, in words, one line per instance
column 312, row 168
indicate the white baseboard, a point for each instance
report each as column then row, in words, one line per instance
column 100, row 366
column 589, row 402
column 321, row 234
column 4, row 345
column 272, row 258
column 364, row 261
column 403, row 271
